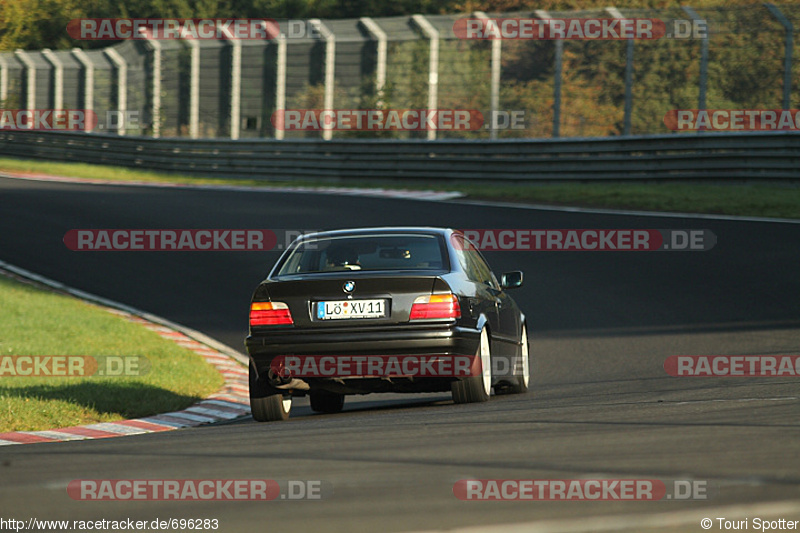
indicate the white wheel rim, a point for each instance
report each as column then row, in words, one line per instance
column 526, row 370
column 486, row 363
column 287, row 403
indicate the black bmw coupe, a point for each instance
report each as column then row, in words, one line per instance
column 390, row 309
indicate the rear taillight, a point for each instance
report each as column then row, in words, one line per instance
column 435, row 306
column 270, row 314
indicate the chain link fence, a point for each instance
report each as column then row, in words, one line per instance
column 741, row 58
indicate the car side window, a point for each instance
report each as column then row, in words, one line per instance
column 461, row 247
column 483, row 273
column 472, row 262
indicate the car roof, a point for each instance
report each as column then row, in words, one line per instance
column 422, row 230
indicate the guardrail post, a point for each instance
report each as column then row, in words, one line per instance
column 787, row 54
column 30, row 72
column 58, row 78
column 626, row 129
column 330, row 69
column 122, row 86
column 88, row 77
column 3, row 80
column 433, row 69
column 701, row 99
column 558, row 61
column 383, row 51
column 494, row 92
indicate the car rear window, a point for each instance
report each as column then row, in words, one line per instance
column 367, row 252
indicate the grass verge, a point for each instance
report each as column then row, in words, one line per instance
column 760, row 199
column 39, row 322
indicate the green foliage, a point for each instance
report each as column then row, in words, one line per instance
column 33, row 24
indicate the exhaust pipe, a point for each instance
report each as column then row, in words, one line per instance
column 285, row 382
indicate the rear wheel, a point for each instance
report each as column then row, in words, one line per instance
column 267, row 404
column 476, row 388
column 326, row 402
column 522, row 375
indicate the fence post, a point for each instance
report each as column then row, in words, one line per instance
column 280, row 76
column 88, row 77
column 30, row 72
column 280, row 89
column 559, row 60
column 380, row 69
column 433, row 70
column 701, row 99
column 58, row 78
column 626, row 129
column 156, row 103
column 194, row 88
column 236, row 83
column 330, row 69
column 494, row 92
column 122, row 86
column 787, row 54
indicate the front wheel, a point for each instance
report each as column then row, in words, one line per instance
column 476, row 388
column 267, row 404
column 522, row 369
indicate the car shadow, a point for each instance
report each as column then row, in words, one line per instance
column 302, row 409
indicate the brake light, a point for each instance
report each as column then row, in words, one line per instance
column 270, row 314
column 435, row 306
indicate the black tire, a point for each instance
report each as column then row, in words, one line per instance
column 521, row 367
column 326, row 402
column 267, row 404
column 476, row 388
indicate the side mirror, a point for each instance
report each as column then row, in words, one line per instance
column 511, row 280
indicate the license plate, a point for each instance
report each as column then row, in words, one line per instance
column 343, row 309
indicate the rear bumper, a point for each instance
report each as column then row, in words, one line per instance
column 446, row 339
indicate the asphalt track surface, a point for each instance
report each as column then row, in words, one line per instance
column 601, row 325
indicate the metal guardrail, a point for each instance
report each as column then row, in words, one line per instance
column 767, row 155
